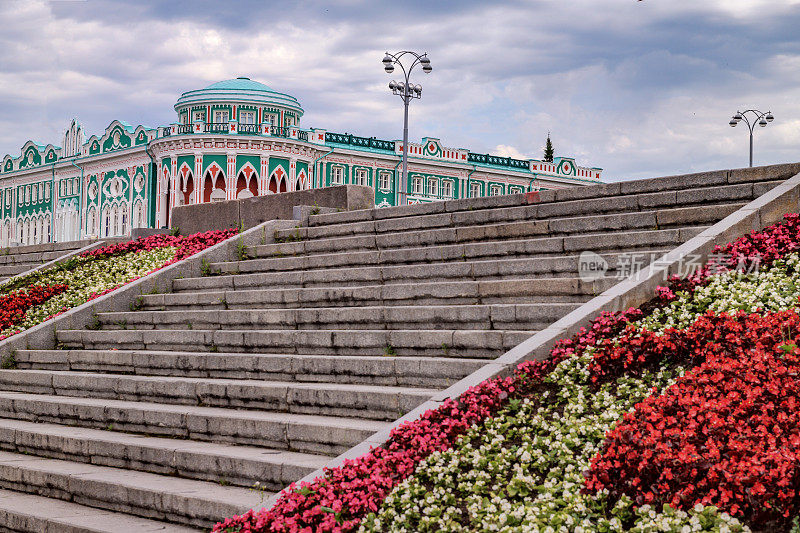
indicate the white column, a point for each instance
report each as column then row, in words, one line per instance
column 263, row 175
column 231, row 177
column 292, row 174
column 172, row 184
column 198, row 178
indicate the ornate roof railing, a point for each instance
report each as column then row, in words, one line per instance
column 487, row 159
column 354, row 140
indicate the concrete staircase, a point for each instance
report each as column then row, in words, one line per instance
column 18, row 259
column 164, row 417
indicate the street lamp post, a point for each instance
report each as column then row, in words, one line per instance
column 762, row 119
column 406, row 91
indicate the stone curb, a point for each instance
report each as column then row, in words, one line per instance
column 42, row 336
column 631, row 292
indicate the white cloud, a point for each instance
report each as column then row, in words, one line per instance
column 504, row 150
column 639, row 88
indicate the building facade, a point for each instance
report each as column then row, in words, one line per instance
column 234, row 139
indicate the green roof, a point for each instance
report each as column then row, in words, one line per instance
column 240, row 84
column 239, row 90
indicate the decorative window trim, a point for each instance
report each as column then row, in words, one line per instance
column 216, row 112
column 361, row 177
column 475, row 190
column 385, row 180
column 433, row 187
column 417, row 184
column 337, row 175
column 249, row 114
column 447, row 188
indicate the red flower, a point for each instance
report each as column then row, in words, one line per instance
column 14, row 306
column 726, row 434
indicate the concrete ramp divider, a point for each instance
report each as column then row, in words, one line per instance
column 42, row 336
column 631, row 292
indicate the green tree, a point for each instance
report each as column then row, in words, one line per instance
column 548, row 150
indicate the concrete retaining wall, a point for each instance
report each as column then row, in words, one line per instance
column 251, row 212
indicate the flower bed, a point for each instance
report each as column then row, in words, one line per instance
column 44, row 294
column 15, row 306
column 680, row 416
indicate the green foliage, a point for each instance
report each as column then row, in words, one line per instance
column 9, row 360
column 95, row 324
column 242, row 250
column 175, row 231
column 137, row 304
column 549, row 153
column 205, row 267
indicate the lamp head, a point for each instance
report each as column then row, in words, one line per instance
column 418, row 89
column 762, row 122
column 388, row 63
column 733, row 122
column 737, row 117
column 427, row 68
column 769, row 117
column 392, row 85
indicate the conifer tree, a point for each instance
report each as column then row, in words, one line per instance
column 548, row 150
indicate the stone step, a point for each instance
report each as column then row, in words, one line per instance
column 238, row 465
column 301, row 433
column 431, row 343
column 654, row 192
column 16, row 268
column 335, row 399
column 545, row 266
column 435, row 372
column 183, row 501
column 611, row 205
column 576, row 226
column 29, row 513
column 526, row 248
column 536, row 290
column 497, row 316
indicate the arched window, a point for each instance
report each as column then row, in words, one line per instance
column 187, row 188
column 300, row 185
column 91, row 221
column 241, row 186
column 123, row 219
column 106, row 224
column 137, row 220
column 214, row 186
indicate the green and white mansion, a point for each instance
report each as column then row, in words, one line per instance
column 234, row 139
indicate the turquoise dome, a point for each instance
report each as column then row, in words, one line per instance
column 238, row 84
column 239, row 91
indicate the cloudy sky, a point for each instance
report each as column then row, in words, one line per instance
column 639, row 88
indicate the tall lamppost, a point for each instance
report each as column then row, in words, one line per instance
column 406, row 91
column 762, row 119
